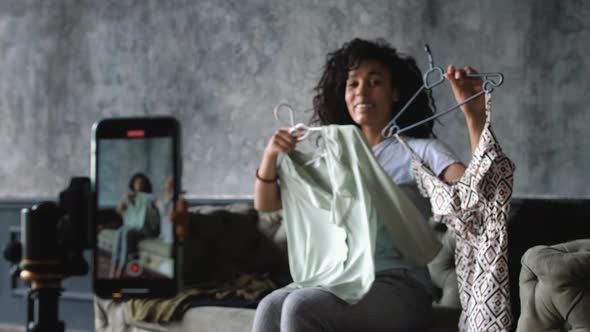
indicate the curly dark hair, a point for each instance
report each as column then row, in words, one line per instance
column 146, row 181
column 329, row 106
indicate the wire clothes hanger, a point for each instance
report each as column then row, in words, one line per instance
column 295, row 129
column 300, row 131
column 433, row 77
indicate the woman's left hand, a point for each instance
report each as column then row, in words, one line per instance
column 465, row 87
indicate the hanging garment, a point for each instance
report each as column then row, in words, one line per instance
column 135, row 211
column 165, row 208
column 476, row 210
column 330, row 207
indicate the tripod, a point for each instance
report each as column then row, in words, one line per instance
column 53, row 238
column 43, row 266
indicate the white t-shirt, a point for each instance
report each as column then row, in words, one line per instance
column 396, row 160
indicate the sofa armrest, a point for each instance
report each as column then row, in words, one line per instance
column 555, row 288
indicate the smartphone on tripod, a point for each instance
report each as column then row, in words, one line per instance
column 136, row 176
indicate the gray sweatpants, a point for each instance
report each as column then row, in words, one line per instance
column 395, row 302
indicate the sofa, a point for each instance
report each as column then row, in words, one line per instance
column 226, row 238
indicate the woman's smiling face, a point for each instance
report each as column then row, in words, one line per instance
column 370, row 95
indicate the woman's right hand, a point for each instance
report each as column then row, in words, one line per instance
column 281, row 141
column 266, row 192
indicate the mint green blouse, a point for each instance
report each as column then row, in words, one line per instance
column 332, row 201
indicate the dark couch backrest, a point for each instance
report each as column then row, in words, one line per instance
column 224, row 241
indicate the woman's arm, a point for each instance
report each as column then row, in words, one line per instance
column 453, row 172
column 474, row 111
column 267, row 192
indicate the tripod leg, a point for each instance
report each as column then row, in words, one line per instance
column 43, row 310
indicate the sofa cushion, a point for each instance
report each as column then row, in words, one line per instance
column 155, row 246
column 113, row 316
column 105, row 238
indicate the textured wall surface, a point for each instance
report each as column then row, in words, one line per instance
column 121, row 159
column 220, row 66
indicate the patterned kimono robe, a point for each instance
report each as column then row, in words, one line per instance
column 476, row 209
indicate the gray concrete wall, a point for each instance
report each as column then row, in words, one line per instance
column 220, row 66
column 120, row 159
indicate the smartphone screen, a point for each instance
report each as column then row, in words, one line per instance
column 136, row 178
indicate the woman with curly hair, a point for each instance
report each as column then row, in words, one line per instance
column 141, row 220
column 365, row 84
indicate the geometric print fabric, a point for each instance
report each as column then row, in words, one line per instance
column 475, row 209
